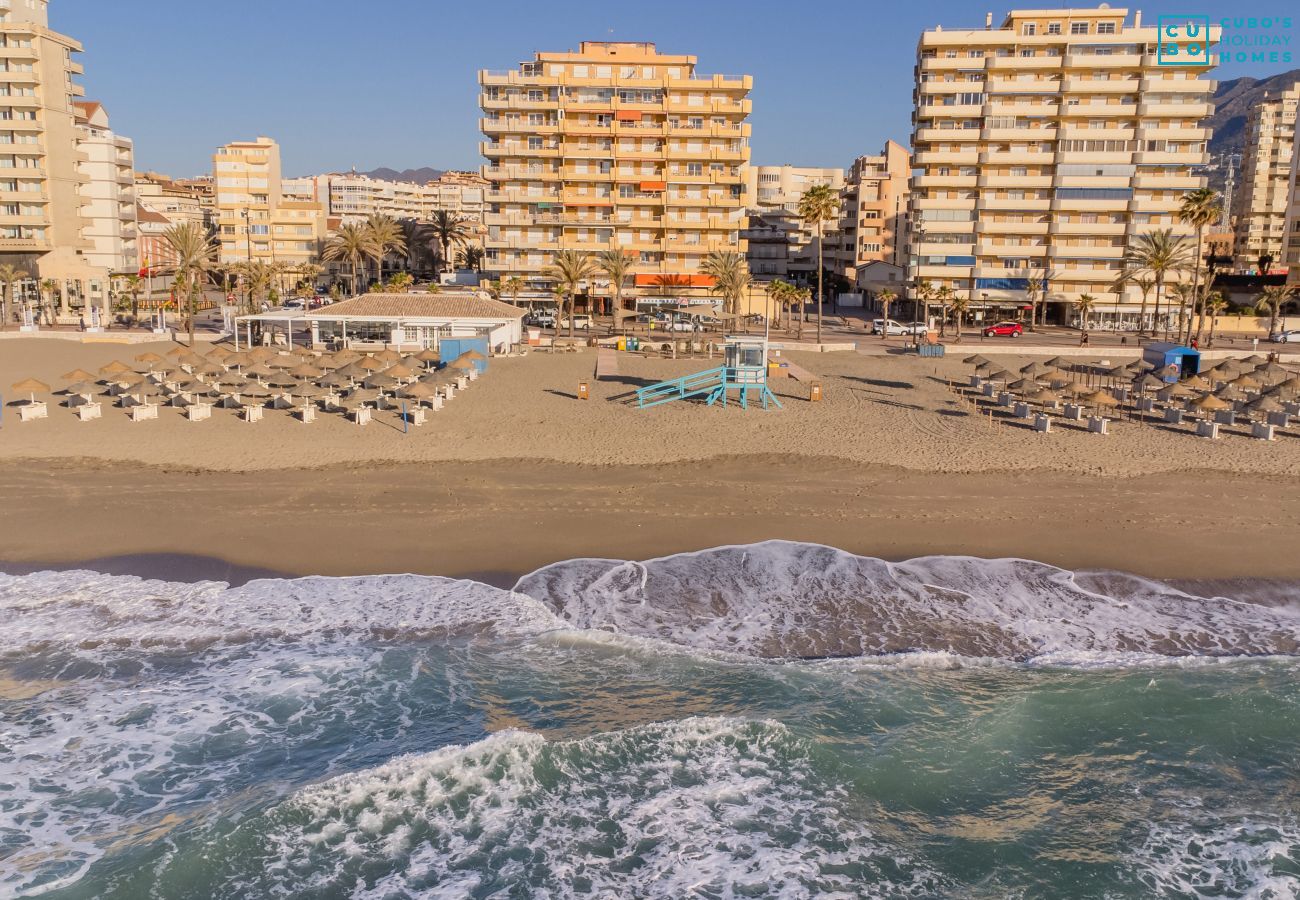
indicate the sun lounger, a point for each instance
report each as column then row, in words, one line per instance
column 1226, row 417
column 448, row 391
column 1207, row 429
column 1098, row 425
column 144, row 411
column 30, row 411
column 361, row 415
column 1043, row 423
column 88, row 411
column 416, row 416
column 462, row 382
column 253, row 413
column 1261, row 431
column 472, row 374
column 307, row 414
column 197, row 412
column 1173, row 415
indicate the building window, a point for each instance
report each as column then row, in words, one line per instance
column 1028, row 28
column 1078, row 28
column 1105, row 27
column 1053, row 27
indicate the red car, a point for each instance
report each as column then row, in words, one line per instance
column 1004, row 329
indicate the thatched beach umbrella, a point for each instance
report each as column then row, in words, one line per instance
column 1072, row 389
column 82, row 389
column 1230, row 392
column 115, row 368
column 1265, row 405
column 1246, row 383
column 975, row 360
column 418, row 392
column 1034, row 368
column 353, row 370
column 306, row 370
column 1208, row 403
column 388, row 356
column 379, row 380
column 334, row 380
column 1175, row 391
column 219, row 352
column 399, row 371
column 259, row 370
column 361, row 397
column 78, row 375
column 428, row 356
column 306, row 392
column 149, row 358
column 985, row 368
column 31, row 387
column 370, row 364
column 1198, row 383
column 1024, row 385
column 1148, row 382
column 1057, row 362
column 1100, row 399
column 346, row 355
column 464, row 364
column 1255, row 359
column 282, row 380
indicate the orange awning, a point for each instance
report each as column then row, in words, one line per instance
column 654, row 185
column 668, row 280
column 627, row 115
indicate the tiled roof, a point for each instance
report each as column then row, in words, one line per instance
column 412, row 306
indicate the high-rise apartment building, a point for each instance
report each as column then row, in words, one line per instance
column 354, row 197
column 179, row 200
column 255, row 221
column 779, row 242
column 1261, row 196
column 1044, row 146
column 1290, row 256
column 614, row 147
column 107, row 167
column 43, row 230
column 873, row 208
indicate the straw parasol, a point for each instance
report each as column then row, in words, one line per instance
column 1024, row 385
column 985, row 368
column 975, row 360
column 176, row 351
column 255, row 390
column 352, row 370
column 1230, row 392
column 1208, row 403
column 1034, row 368
column 389, row 356
column 31, row 387
column 428, row 356
column 306, row 392
column 1098, row 399
column 1246, row 383
column 1266, row 405
column 233, row 383
column 418, row 391
column 334, row 380
column 282, row 380
column 1255, row 359
column 346, row 355
column 1073, row 388
column 306, row 370
column 219, row 352
column 999, row 375
column 208, row 367
column 262, row 354
column 398, row 370
column 379, row 380
column 1057, row 362
column 370, row 364
column 78, row 375
column 1148, row 382
column 360, row 397
column 1198, row 383
column 149, row 358
column 259, row 370
column 82, row 388
column 115, row 368
column 1044, row 397
column 473, row 355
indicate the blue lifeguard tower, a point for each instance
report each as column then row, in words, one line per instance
column 1185, row 360
column 744, row 371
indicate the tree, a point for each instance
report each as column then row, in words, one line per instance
column 886, row 297
column 400, row 282
column 416, row 236
column 386, row 237
column 617, row 265
column 1159, row 254
column 447, row 228
column 351, row 244
column 924, row 291
column 569, row 269
column 818, row 205
column 1182, row 292
column 1085, row 303
column 1271, row 301
column 1215, row 304
column 730, row 276
column 49, row 289
column 511, row 288
column 945, row 296
column 1200, row 208
column 1265, row 262
column 9, row 276
column 194, row 251
column 471, row 258
column 1145, row 284
column 132, row 283
column 959, row 304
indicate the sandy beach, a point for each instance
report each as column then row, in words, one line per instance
column 516, row 473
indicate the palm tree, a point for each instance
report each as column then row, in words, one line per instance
column 1215, row 304
column 1271, row 301
column 569, row 269
column 386, row 237
column 193, row 249
column 447, row 228
column 1182, row 292
column 400, row 282
column 819, row 205
column 1265, row 262
column 471, row 258
column 924, row 291
column 730, row 277
column 1200, row 208
column 50, row 289
column 959, row 304
column 616, row 265
column 351, row 244
column 1085, row 303
column 886, row 297
column 945, row 296
column 133, row 282
column 1145, row 283
column 9, row 276
column 416, row 236
column 511, row 288
column 1158, row 253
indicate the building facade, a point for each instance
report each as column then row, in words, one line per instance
column 873, row 208
column 1291, row 227
column 255, row 220
column 1042, row 147
column 1262, row 193
column 353, row 197
column 614, row 147
column 107, row 166
column 180, row 200
column 43, row 227
column 783, row 244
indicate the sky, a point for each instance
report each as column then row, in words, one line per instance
column 368, row 83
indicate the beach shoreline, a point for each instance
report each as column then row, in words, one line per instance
column 497, row 520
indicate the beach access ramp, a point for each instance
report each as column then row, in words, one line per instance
column 698, row 384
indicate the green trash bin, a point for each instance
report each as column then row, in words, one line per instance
column 632, row 343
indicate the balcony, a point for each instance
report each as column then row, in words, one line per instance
column 945, row 64
column 947, row 134
column 1023, row 86
column 1091, row 181
column 1021, row 157
column 1025, row 110
column 943, row 181
column 1020, row 134
column 1195, row 111
column 1153, row 205
column 518, row 126
column 1151, row 158
column 1098, row 228
column 989, row 226
column 1032, row 251
column 516, row 101
column 955, row 111
column 1095, row 61
column 1062, row 251
column 1100, row 157
column 1015, row 205
column 1159, row 85
column 1102, row 86
column 1078, row 133
column 949, row 157
column 1078, row 204
column 1156, row 133
column 1098, row 110
column 1015, row 181
column 1024, row 63
column 1169, row 182
column 929, row 249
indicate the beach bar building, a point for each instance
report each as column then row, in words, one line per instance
column 1162, row 355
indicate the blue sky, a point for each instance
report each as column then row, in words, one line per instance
column 395, row 85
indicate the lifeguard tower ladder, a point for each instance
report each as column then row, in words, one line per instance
column 744, row 371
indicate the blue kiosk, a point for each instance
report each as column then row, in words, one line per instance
column 1162, row 355
column 744, row 371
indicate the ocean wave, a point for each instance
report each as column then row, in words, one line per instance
column 780, row 599
column 1253, row 858
column 711, row 807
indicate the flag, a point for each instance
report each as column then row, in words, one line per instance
column 144, row 270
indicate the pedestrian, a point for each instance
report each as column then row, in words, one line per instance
column 82, row 323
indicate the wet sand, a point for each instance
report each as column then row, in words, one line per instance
column 497, row 520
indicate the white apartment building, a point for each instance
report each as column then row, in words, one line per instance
column 353, row 197
column 780, row 243
column 256, row 221
column 1044, row 146
column 1259, row 202
column 107, row 192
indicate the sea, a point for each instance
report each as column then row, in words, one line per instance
column 776, row 720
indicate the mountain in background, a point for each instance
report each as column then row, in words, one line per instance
column 414, row 176
column 1232, row 103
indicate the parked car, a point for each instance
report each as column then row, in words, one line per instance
column 1004, row 329
column 294, row 303
column 891, row 327
column 540, row 318
column 677, row 323
column 1286, row 337
column 580, row 323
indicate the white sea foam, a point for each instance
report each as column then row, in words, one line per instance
column 782, row 599
column 1248, row 858
column 700, row 807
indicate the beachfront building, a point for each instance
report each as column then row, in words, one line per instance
column 107, row 167
column 614, row 147
column 1262, row 193
column 1291, row 227
column 179, row 199
column 255, row 220
column 1042, row 147
column 43, row 227
column 873, row 217
column 779, row 242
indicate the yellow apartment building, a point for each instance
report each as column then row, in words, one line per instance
column 1259, row 204
column 43, row 223
column 616, row 146
column 1043, row 146
column 255, row 219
